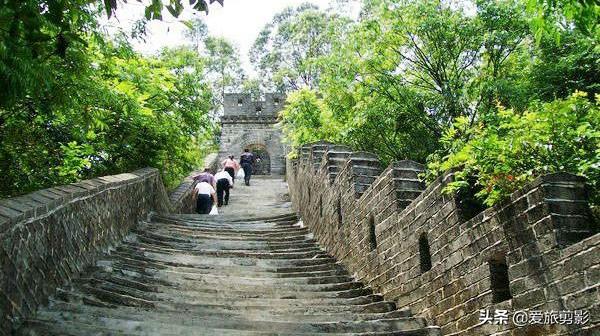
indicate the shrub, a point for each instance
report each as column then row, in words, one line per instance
column 513, row 149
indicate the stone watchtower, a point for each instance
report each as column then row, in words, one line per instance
column 252, row 124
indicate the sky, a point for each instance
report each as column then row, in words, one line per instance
column 239, row 21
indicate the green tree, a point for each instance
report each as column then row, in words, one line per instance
column 39, row 39
column 196, row 32
column 562, row 67
column 121, row 113
column 253, row 87
column 306, row 119
column 223, row 67
column 553, row 16
column 286, row 50
column 563, row 135
column 505, row 34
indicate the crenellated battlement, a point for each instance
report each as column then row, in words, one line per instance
column 423, row 249
column 242, row 104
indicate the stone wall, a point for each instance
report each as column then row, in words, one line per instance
column 442, row 257
column 48, row 236
column 238, row 133
column 237, row 104
column 253, row 124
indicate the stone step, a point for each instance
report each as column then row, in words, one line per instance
column 241, row 271
column 219, row 275
column 78, row 298
column 268, row 314
column 196, row 234
column 277, row 254
column 265, row 264
column 121, row 295
column 221, row 245
column 180, row 280
column 192, row 219
column 173, row 322
column 150, row 292
column 51, row 328
column 239, row 230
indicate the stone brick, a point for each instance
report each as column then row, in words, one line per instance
column 45, row 249
column 523, row 229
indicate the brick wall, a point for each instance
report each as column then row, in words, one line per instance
column 248, row 123
column 49, row 236
column 239, row 132
column 419, row 246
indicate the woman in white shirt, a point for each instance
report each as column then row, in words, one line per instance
column 205, row 197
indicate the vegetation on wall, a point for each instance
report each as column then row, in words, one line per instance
column 484, row 87
column 561, row 135
column 76, row 104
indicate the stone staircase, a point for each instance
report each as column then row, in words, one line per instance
column 219, row 275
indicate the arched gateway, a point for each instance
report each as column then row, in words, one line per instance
column 252, row 125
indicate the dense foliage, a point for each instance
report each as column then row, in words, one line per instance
column 562, row 135
column 287, row 48
column 125, row 112
column 75, row 104
column 487, row 89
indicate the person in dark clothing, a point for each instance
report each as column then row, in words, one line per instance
column 224, row 183
column 247, row 160
column 204, row 196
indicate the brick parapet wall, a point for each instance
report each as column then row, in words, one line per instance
column 49, row 236
column 544, row 234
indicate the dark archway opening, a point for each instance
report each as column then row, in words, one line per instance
column 372, row 234
column 262, row 166
column 499, row 281
column 424, row 253
column 321, row 206
column 339, row 211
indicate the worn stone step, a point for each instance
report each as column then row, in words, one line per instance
column 190, row 266
column 195, row 234
column 50, row 328
column 149, row 292
column 352, row 296
column 219, row 275
column 181, row 281
column 140, row 248
column 240, row 271
column 305, row 253
column 203, row 262
column 268, row 314
column 240, row 227
column 225, row 246
column 173, row 322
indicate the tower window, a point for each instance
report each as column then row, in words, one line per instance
column 499, row 282
column 372, row 235
column 321, row 206
column 258, row 109
column 424, row 253
column 276, row 101
column 240, row 102
column 339, row 211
